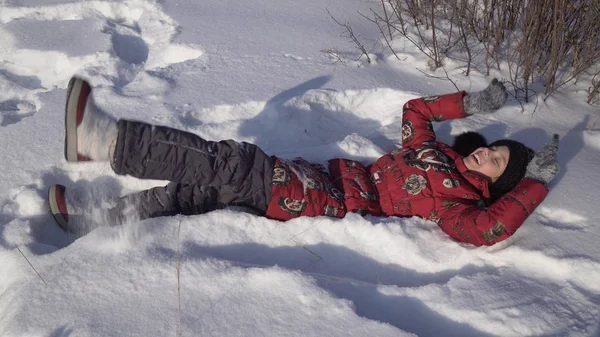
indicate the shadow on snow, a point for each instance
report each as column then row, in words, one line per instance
column 349, row 275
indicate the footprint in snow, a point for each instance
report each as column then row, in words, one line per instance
column 130, row 48
column 135, row 38
column 14, row 110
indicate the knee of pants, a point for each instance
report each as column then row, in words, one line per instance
column 195, row 199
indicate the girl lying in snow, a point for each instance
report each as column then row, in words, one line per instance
column 477, row 193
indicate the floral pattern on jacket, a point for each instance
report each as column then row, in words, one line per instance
column 301, row 188
column 424, row 178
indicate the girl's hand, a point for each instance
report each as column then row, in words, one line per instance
column 544, row 165
column 487, row 101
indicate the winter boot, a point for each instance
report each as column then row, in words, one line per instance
column 90, row 133
column 78, row 213
column 59, row 210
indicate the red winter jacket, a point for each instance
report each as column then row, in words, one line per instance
column 424, row 178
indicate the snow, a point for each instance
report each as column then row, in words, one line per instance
column 254, row 71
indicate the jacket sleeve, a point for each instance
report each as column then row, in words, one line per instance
column 418, row 113
column 468, row 223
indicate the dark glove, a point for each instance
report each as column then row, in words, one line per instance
column 544, row 165
column 487, row 101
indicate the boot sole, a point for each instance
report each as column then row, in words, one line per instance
column 74, row 110
column 55, row 208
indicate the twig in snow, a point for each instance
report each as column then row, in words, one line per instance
column 518, row 89
column 304, row 231
column 376, row 21
column 352, row 37
column 334, row 53
column 319, row 258
column 441, row 78
column 32, row 267
column 591, row 125
column 178, row 274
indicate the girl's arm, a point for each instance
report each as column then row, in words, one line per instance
column 471, row 224
column 419, row 113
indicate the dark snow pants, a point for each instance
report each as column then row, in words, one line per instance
column 204, row 175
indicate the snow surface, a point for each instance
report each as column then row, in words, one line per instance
column 254, row 71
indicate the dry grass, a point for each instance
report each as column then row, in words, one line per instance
column 554, row 42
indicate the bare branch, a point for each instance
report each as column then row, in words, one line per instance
column 352, row 37
column 447, row 78
column 376, row 22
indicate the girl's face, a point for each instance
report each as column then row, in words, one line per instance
column 489, row 161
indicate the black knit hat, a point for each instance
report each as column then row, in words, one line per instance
column 520, row 156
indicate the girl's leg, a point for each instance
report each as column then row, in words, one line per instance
column 75, row 215
column 165, row 201
column 157, row 152
column 176, row 199
column 240, row 170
